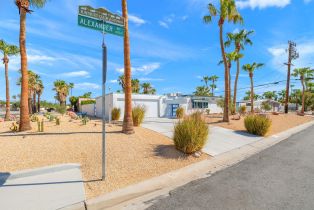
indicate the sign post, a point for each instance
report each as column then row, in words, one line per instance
column 106, row 22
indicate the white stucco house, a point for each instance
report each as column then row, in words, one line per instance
column 156, row 105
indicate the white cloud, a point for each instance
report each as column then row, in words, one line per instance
column 136, row 20
column 262, row 4
column 113, row 81
column 84, row 74
column 145, row 69
column 146, row 79
column 280, row 56
column 87, row 86
column 163, row 24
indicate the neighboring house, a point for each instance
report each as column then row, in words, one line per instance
column 276, row 106
column 156, row 105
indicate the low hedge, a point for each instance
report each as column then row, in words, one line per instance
column 88, row 102
column 257, row 124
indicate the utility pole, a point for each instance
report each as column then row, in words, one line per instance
column 292, row 55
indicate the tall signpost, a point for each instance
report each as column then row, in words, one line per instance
column 106, row 22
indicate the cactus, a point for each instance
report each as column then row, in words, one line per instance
column 85, row 120
column 57, row 121
column 14, row 127
column 42, row 126
column 39, row 126
column 34, row 118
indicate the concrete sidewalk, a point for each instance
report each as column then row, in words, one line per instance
column 220, row 140
column 48, row 188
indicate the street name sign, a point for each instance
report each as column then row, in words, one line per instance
column 101, row 20
column 100, row 25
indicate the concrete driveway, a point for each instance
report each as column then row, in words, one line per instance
column 220, row 140
column 48, row 188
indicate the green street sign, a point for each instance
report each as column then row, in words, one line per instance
column 100, row 25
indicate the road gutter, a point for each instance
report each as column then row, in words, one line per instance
column 141, row 195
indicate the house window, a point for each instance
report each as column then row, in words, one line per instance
column 199, row 105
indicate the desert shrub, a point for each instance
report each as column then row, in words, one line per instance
column 257, row 124
column 14, row 127
column 242, row 110
column 61, row 109
column 180, row 113
column 265, row 106
column 138, row 114
column 191, row 133
column 85, row 120
column 34, row 118
column 115, row 114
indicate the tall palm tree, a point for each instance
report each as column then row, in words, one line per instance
column 146, row 87
column 227, row 11
column 206, row 79
column 62, row 91
column 32, row 77
column 71, row 86
column 135, row 86
column 250, row 69
column 39, row 91
column 127, row 127
column 213, row 85
column 202, row 91
column 23, row 6
column 304, row 74
column 240, row 39
column 7, row 50
column 270, row 95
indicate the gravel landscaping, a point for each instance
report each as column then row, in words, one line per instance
column 130, row 159
column 280, row 122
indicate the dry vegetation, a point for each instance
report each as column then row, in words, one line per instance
column 280, row 122
column 130, row 159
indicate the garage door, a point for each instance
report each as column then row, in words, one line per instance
column 151, row 106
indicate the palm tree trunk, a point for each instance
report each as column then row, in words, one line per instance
column 303, row 97
column 236, row 85
column 24, row 112
column 127, row 121
column 38, row 102
column 34, row 102
column 252, row 94
column 7, row 88
column 229, row 91
column 226, row 106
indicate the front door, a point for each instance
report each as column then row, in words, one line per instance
column 174, row 108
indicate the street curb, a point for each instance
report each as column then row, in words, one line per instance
column 137, row 196
column 39, row 171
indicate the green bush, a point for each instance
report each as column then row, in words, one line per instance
column 257, row 124
column 138, row 114
column 88, row 102
column 265, row 106
column 115, row 114
column 61, row 109
column 180, row 113
column 190, row 134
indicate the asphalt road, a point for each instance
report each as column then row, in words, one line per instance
column 280, row 177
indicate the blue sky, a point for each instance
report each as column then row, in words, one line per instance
column 171, row 47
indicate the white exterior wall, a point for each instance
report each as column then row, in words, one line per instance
column 156, row 106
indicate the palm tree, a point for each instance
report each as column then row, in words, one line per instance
column 23, row 6
column 250, row 69
column 248, row 96
column 62, row 91
column 71, row 86
column 304, row 74
column 206, row 79
column 240, row 39
column 202, row 91
column 39, row 91
column 7, row 51
column 270, row 95
column 227, row 11
column 128, row 120
column 32, row 77
column 282, row 96
column 146, row 87
column 213, row 85
column 152, row 91
column 135, row 86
